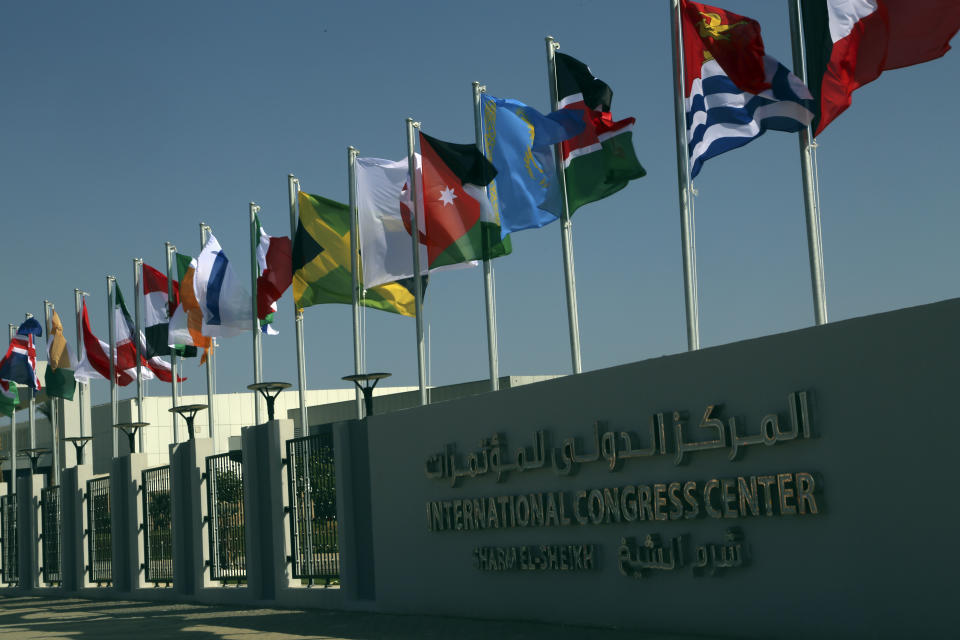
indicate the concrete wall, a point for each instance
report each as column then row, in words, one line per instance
column 882, row 452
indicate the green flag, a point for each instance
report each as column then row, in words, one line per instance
column 321, row 261
column 9, row 399
column 58, row 379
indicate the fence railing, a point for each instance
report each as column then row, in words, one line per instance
column 228, row 548
column 99, row 535
column 50, row 516
column 157, row 525
column 8, row 514
column 313, row 508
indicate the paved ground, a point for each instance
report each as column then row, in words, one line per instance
column 43, row 618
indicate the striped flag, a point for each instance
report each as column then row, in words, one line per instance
column 20, row 362
column 186, row 323
column 156, row 314
column 96, row 363
column 722, row 114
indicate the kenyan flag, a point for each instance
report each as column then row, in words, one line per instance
column 601, row 160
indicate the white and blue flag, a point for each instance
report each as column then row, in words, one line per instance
column 721, row 117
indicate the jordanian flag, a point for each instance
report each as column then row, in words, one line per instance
column 321, row 261
column 459, row 223
column 60, row 362
column 601, row 160
column 849, row 44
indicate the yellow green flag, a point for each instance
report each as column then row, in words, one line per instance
column 321, row 261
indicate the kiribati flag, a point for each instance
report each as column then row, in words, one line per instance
column 20, row 363
column 734, row 92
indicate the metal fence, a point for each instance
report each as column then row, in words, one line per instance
column 313, row 508
column 50, row 516
column 228, row 548
column 8, row 514
column 99, row 538
column 157, row 525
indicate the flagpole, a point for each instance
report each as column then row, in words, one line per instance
column 12, row 488
column 33, row 402
column 112, row 333
column 293, row 189
column 415, row 238
column 254, row 273
column 808, row 172
column 53, row 402
column 138, row 322
column 687, row 236
column 566, row 225
column 78, row 296
column 355, row 269
column 488, row 289
column 169, row 250
column 211, row 356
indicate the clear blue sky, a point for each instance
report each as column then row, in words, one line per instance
column 125, row 124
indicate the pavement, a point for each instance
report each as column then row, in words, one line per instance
column 49, row 618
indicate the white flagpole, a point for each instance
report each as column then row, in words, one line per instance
column 12, row 487
column 808, row 172
column 488, row 289
column 169, row 250
column 78, row 296
column 33, row 403
column 138, row 340
column 254, row 274
column 566, row 225
column 112, row 333
column 355, row 269
column 687, row 234
column 415, row 238
column 53, row 402
column 211, row 358
column 293, row 189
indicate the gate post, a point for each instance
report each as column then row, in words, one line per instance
column 264, row 496
column 188, row 514
column 73, row 527
column 28, row 530
column 125, row 514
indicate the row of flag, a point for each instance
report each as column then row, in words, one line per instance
column 474, row 198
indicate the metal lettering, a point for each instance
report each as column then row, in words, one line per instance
column 711, row 485
column 747, row 488
column 596, row 514
column 765, row 483
column 577, row 497
column 611, row 499
column 805, row 488
column 729, row 498
column 786, row 493
column 673, row 491
column 659, row 501
column 643, row 495
column 628, row 503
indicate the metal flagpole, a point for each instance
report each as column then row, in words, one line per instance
column 81, row 386
column 254, row 273
column 687, row 235
column 12, row 487
column 33, row 404
column 112, row 333
column 211, row 356
column 808, row 171
column 293, row 189
column 566, row 225
column 488, row 290
column 138, row 340
column 415, row 238
column 355, row 269
column 169, row 250
column 53, row 402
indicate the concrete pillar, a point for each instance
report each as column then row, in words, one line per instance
column 354, row 512
column 126, row 514
column 188, row 514
column 28, row 530
column 267, row 522
column 73, row 527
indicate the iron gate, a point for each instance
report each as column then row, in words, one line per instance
column 99, row 538
column 228, row 549
column 8, row 511
column 157, row 525
column 313, row 508
column 50, row 516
